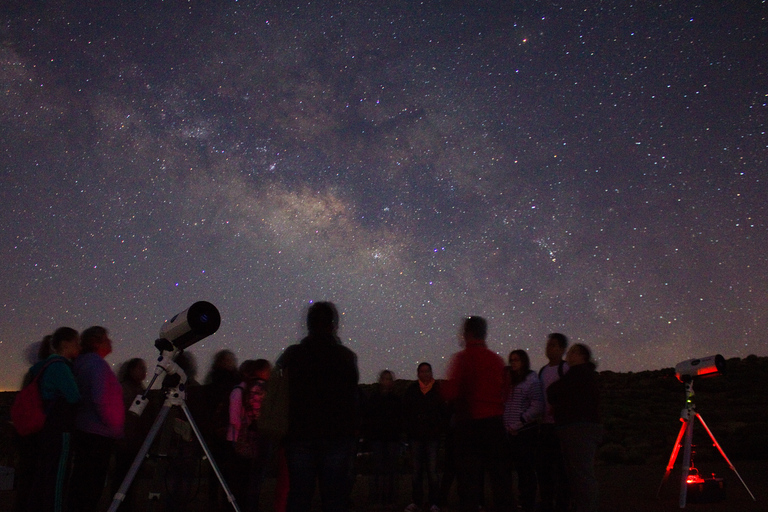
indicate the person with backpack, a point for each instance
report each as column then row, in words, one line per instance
column 553, row 485
column 252, row 451
column 50, row 447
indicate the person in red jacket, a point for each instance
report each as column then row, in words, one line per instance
column 477, row 384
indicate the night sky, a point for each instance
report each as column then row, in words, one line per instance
column 594, row 168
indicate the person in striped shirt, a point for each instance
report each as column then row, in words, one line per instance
column 523, row 408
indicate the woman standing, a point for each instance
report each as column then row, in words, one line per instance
column 522, row 410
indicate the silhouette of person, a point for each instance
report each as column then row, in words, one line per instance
column 323, row 413
column 381, row 427
column 575, row 400
column 553, row 485
column 214, row 420
column 424, row 418
column 131, row 375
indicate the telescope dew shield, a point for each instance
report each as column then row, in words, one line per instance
column 198, row 321
column 693, row 368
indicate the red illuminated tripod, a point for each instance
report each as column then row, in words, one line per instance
column 686, row 372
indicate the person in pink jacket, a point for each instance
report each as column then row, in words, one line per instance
column 99, row 421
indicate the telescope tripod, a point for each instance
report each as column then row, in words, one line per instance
column 688, row 417
column 174, row 398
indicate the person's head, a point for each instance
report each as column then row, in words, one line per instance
column 263, row 369
column 96, row 339
column 475, row 328
column 188, row 364
column 387, row 380
column 252, row 370
column 519, row 362
column 322, row 318
column 65, row 341
column 424, row 373
column 224, row 360
column 578, row 354
column 556, row 345
column 45, row 349
column 134, row 370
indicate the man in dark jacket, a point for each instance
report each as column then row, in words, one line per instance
column 323, row 412
column 575, row 400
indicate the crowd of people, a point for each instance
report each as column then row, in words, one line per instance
column 305, row 418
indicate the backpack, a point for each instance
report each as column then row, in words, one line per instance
column 28, row 411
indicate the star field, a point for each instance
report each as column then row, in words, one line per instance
column 597, row 169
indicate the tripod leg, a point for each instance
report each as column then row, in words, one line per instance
column 673, row 457
column 686, row 461
column 230, row 496
column 733, row 468
column 128, row 480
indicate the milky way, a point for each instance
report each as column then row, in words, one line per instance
column 594, row 168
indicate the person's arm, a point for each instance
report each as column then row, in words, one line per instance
column 235, row 413
column 108, row 397
column 535, row 409
column 509, row 411
column 452, row 384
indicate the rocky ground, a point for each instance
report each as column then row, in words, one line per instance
column 623, row 488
